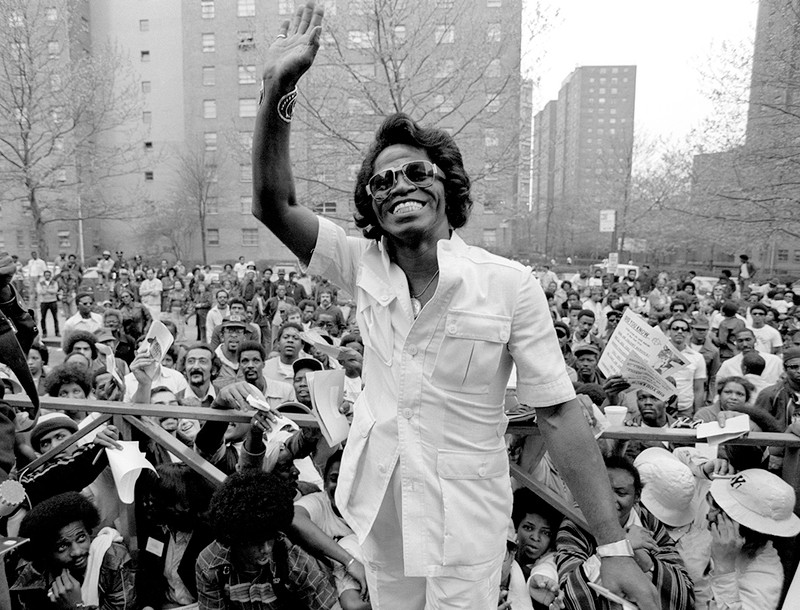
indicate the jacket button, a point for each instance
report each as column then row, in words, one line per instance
column 452, row 329
column 382, row 468
column 503, row 335
column 482, row 471
column 408, row 413
column 384, row 298
column 412, row 349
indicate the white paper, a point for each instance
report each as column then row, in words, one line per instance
column 312, row 337
column 735, row 427
column 156, row 343
column 642, row 376
column 634, row 335
column 111, row 363
column 281, row 422
column 326, row 389
column 126, row 465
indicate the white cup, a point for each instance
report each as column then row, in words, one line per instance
column 615, row 414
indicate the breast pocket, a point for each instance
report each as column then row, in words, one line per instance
column 469, row 355
column 377, row 333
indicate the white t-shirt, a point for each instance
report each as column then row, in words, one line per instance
column 686, row 376
column 320, row 510
column 767, row 338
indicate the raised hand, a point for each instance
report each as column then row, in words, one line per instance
column 294, row 50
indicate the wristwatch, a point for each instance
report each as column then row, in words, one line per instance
column 620, row 548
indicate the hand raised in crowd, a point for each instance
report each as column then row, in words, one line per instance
column 139, row 367
column 263, row 422
column 107, row 437
column 65, row 591
column 294, row 50
column 234, row 396
column 717, row 468
column 350, row 360
column 109, row 389
column 613, row 387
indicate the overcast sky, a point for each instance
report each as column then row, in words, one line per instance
column 667, row 41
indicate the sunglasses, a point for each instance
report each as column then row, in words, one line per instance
column 419, row 173
column 681, row 329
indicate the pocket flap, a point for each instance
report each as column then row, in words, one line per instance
column 472, row 464
column 363, row 420
column 477, row 326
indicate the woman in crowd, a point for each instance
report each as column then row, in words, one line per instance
column 38, row 356
column 69, row 567
column 745, row 513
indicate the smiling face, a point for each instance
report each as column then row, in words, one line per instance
column 624, row 492
column 71, row 549
column 410, row 211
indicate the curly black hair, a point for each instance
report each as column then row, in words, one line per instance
column 441, row 149
column 250, row 346
column 251, row 507
column 526, row 502
column 620, row 462
column 80, row 335
column 69, row 372
column 44, row 353
column 46, row 519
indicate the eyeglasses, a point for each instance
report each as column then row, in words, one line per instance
column 757, row 313
column 680, row 329
column 419, row 173
column 792, row 367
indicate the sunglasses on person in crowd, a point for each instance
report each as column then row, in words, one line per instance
column 681, row 329
column 419, row 173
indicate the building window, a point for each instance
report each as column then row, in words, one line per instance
column 490, row 238
column 490, row 137
column 249, row 237
column 246, row 41
column 445, row 34
column 148, row 176
column 358, row 107
column 209, row 76
column 445, row 4
column 494, row 68
column 400, row 33
column 210, row 140
column 147, row 117
column 146, row 86
column 494, row 3
column 445, row 68
column 212, row 237
column 357, row 39
column 247, row 75
column 494, row 32
column 246, row 204
column 209, row 43
column 144, row 25
column 442, row 104
column 209, row 109
column 246, row 141
column 783, row 256
column 144, row 56
column 61, row 175
column 245, row 173
column 246, row 8
column 492, row 102
column 247, row 107
column 51, row 14
column 207, row 9
column 63, row 239
column 285, row 7
column 325, row 208
column 148, row 147
column 797, row 256
column 53, row 49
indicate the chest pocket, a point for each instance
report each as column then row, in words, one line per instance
column 469, row 355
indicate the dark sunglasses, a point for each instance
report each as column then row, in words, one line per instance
column 419, row 173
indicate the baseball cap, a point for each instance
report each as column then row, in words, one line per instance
column 791, row 354
column 758, row 500
column 669, row 487
column 102, row 335
column 700, row 321
column 106, row 252
column 12, row 385
column 234, row 321
column 561, row 326
column 588, row 348
column 307, row 363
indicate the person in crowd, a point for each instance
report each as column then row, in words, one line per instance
column 69, row 566
column 768, row 339
column 536, row 526
column 412, row 192
column 325, row 305
column 200, row 367
column 236, row 308
column 251, row 562
column 233, row 330
column 673, row 494
column 745, row 342
column 753, row 366
column 217, row 313
column 251, row 356
column 150, row 293
column 584, row 333
column 147, row 374
column 69, row 380
column 307, row 309
column 595, row 305
column 280, row 297
column 586, row 358
column 289, row 344
column 124, row 284
column 728, row 330
column 261, row 316
column 126, row 345
column 747, row 512
column 651, row 413
column 47, row 290
column 38, row 357
column 654, row 550
column 202, row 305
column 86, row 319
column 702, row 344
column 136, row 318
column 690, row 380
column 172, row 528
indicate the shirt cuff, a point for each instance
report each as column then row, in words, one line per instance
column 546, row 394
column 324, row 250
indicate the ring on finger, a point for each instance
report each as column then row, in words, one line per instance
column 280, row 36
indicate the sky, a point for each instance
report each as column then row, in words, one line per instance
column 668, row 42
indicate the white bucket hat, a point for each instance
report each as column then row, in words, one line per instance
column 758, row 500
column 668, row 487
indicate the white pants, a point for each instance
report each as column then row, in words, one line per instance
column 391, row 589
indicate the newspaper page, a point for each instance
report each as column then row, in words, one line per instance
column 634, row 335
column 642, row 376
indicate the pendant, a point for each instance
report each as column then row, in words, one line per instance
column 416, row 306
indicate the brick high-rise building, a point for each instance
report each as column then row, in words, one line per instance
column 582, row 150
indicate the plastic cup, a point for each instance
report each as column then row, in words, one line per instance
column 615, row 415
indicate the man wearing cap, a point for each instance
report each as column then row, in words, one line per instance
column 746, row 342
column 768, row 339
column 85, row 319
column 586, row 358
column 236, row 308
column 233, row 329
column 702, row 344
column 105, row 265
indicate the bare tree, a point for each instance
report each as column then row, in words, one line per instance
column 67, row 113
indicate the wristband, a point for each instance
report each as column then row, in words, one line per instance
column 620, row 548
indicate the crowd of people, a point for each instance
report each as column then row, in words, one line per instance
column 711, row 531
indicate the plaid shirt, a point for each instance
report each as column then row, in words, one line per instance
column 221, row 585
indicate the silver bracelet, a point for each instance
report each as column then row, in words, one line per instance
column 286, row 106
